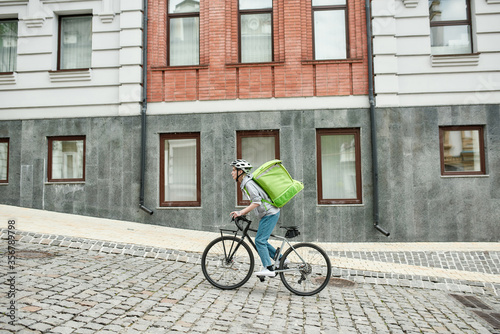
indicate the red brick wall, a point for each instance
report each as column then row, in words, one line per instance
column 292, row 74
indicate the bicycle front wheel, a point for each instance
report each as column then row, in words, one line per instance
column 307, row 270
column 227, row 262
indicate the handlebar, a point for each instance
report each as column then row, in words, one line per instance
column 237, row 221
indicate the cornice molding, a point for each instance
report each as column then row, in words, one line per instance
column 65, row 76
column 455, row 60
column 410, row 3
column 8, row 79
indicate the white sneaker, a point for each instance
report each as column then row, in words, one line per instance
column 266, row 272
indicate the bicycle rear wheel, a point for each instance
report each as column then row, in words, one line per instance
column 227, row 262
column 308, row 271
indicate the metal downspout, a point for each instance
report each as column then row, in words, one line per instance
column 144, row 106
column 372, row 121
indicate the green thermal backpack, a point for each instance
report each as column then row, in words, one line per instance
column 275, row 180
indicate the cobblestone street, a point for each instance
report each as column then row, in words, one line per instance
column 73, row 290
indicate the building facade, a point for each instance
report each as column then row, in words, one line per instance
column 257, row 80
column 437, row 85
column 70, row 78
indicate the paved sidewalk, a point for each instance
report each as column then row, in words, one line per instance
column 464, row 267
column 77, row 274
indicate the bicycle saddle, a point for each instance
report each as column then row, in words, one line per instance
column 291, row 231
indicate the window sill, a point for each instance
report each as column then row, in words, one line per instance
column 464, row 176
column 471, row 59
column 7, row 78
column 178, row 208
column 49, row 183
column 179, row 68
column 332, row 61
column 238, row 65
column 341, row 205
column 70, row 75
column 4, row 184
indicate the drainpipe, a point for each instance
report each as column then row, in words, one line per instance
column 144, row 106
column 372, row 121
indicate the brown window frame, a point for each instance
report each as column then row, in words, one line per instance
column 255, row 11
column 252, row 134
column 182, row 15
column 482, row 158
column 59, row 43
column 357, row 142
column 467, row 22
column 6, row 140
column 49, row 159
column 181, row 135
column 343, row 7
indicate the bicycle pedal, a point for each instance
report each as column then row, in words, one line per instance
column 262, row 278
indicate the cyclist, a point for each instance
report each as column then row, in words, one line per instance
column 267, row 213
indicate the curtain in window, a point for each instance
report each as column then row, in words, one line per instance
column 257, row 150
column 67, row 159
column 450, row 27
column 256, row 33
column 330, row 34
column 8, row 46
column 338, row 165
column 184, row 41
column 451, row 40
column 4, row 151
column 180, row 170
column 76, row 42
column 255, row 4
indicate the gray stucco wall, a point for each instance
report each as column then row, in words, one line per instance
column 416, row 202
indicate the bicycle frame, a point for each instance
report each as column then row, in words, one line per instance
column 245, row 235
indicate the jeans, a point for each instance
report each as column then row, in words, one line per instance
column 265, row 249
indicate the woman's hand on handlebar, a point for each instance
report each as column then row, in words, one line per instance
column 235, row 214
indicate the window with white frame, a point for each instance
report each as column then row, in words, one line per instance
column 330, row 29
column 75, row 42
column 450, row 27
column 66, row 160
column 180, row 177
column 256, row 31
column 8, row 46
column 184, row 32
column 339, row 166
column 4, row 160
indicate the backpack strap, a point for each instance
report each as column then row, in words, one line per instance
column 263, row 200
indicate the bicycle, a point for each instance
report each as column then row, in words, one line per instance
column 228, row 262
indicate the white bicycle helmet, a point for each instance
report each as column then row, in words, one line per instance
column 242, row 164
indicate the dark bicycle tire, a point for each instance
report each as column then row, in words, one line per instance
column 310, row 278
column 225, row 274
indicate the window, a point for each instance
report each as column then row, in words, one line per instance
column 256, row 147
column 184, row 32
column 330, row 29
column 339, row 166
column 4, row 160
column 256, row 31
column 75, row 42
column 8, row 46
column 66, row 161
column 180, row 177
column 462, row 150
column 450, row 27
